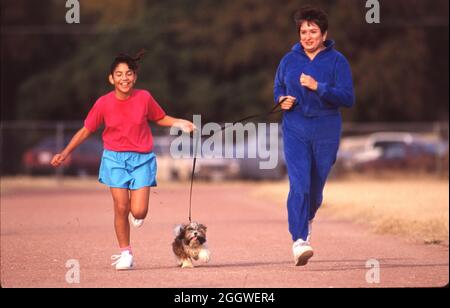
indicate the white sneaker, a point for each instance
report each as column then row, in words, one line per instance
column 302, row 252
column 124, row 261
column 136, row 222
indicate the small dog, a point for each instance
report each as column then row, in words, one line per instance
column 190, row 244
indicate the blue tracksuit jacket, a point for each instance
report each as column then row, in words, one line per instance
column 312, row 128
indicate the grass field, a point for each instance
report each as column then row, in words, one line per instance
column 416, row 208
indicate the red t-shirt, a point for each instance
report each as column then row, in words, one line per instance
column 126, row 121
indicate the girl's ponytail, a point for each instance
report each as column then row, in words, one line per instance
column 132, row 62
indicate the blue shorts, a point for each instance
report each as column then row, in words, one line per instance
column 129, row 170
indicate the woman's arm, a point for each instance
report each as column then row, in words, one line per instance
column 77, row 139
column 279, row 88
column 342, row 93
column 184, row 125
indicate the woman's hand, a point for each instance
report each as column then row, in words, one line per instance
column 287, row 103
column 308, row 82
column 185, row 125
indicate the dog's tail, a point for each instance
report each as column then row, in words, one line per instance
column 177, row 230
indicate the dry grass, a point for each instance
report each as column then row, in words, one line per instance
column 411, row 207
column 22, row 183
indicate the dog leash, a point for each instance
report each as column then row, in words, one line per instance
column 272, row 111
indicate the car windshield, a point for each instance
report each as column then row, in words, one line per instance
column 387, row 144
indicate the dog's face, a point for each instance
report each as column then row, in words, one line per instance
column 193, row 234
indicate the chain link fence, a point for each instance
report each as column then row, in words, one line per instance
column 27, row 147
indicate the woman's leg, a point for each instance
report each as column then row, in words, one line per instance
column 319, row 174
column 325, row 149
column 139, row 202
column 316, row 192
column 298, row 161
column 121, row 200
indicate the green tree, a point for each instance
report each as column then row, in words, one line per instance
column 218, row 58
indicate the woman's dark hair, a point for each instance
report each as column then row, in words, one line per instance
column 132, row 62
column 311, row 14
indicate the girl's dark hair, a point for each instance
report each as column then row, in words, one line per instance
column 311, row 14
column 132, row 62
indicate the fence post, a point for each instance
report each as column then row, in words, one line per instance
column 440, row 129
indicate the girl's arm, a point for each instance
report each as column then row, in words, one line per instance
column 77, row 139
column 184, row 125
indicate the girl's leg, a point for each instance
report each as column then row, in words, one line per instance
column 121, row 200
column 139, row 202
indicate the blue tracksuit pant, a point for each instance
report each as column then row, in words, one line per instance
column 310, row 148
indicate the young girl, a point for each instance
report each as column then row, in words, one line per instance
column 128, row 165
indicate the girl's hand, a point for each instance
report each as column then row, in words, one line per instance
column 185, row 125
column 287, row 103
column 308, row 82
column 58, row 159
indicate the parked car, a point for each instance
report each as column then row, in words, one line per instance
column 216, row 168
column 395, row 150
column 180, row 168
column 170, row 168
column 220, row 168
column 84, row 160
column 251, row 168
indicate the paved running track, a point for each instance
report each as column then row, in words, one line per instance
column 248, row 238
